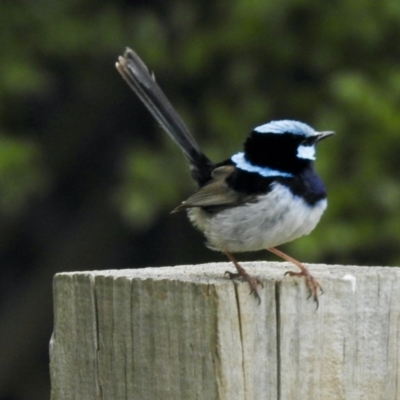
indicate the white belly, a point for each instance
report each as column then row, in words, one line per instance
column 276, row 218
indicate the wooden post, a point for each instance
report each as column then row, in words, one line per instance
column 187, row 333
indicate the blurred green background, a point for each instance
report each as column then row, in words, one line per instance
column 87, row 179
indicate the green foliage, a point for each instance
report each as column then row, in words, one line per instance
column 22, row 176
column 143, row 194
column 226, row 66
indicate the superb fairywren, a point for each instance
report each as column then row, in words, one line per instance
column 260, row 198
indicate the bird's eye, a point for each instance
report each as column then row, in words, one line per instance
column 307, row 142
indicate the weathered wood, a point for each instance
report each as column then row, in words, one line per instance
column 189, row 333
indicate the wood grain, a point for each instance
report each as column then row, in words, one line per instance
column 187, row 332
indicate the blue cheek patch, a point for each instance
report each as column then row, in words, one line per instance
column 241, row 163
column 306, row 152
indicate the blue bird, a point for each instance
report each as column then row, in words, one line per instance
column 258, row 199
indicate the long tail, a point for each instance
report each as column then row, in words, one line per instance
column 139, row 78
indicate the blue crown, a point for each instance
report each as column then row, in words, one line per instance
column 286, row 126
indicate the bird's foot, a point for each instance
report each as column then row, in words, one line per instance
column 251, row 280
column 312, row 284
column 242, row 274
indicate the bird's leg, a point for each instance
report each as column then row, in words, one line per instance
column 241, row 273
column 312, row 284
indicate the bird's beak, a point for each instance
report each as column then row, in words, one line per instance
column 323, row 135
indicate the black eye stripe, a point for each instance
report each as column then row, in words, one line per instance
column 308, row 141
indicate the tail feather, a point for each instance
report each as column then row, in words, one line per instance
column 142, row 82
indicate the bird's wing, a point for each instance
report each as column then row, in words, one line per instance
column 216, row 192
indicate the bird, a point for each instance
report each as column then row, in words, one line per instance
column 264, row 196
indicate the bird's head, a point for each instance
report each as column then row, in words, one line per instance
column 279, row 147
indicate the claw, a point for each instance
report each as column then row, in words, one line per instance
column 241, row 273
column 312, row 284
column 253, row 282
